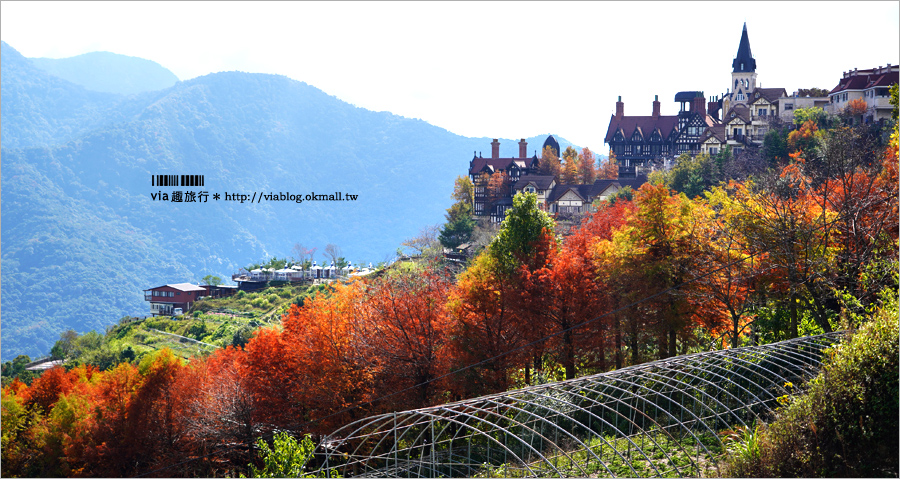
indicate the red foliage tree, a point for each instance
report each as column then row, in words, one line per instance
column 403, row 327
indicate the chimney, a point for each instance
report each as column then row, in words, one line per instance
column 495, row 149
column 697, row 104
column 523, row 148
column 620, row 109
column 711, row 108
column 655, row 107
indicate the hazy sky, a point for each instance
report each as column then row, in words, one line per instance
column 504, row 69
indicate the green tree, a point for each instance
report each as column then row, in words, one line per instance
column 624, row 194
column 65, row 346
column 460, row 222
column 813, row 92
column 287, row 457
column 520, row 231
column 774, row 148
column 815, row 114
column 845, row 424
column 16, row 369
column 212, row 280
column 457, row 232
column 894, row 101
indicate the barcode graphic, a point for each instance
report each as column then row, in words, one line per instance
column 176, row 180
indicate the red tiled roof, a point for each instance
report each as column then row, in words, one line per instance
column 628, row 124
column 864, row 80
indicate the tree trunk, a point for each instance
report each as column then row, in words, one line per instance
column 672, row 351
column 618, row 332
column 793, row 327
column 569, row 342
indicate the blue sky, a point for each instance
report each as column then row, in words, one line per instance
column 495, row 69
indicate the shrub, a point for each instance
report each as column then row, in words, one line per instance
column 258, row 303
column 846, row 423
column 286, row 458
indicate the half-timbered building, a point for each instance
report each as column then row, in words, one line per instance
column 739, row 118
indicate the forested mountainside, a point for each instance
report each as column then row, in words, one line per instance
column 109, row 72
column 81, row 236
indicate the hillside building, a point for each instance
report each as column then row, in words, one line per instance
column 165, row 299
column 521, row 175
column 738, row 118
column 871, row 85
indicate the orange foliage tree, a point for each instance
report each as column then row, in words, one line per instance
column 485, row 331
column 403, row 327
column 608, row 170
column 648, row 257
column 587, row 172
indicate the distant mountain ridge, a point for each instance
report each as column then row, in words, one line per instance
column 109, row 72
column 81, row 236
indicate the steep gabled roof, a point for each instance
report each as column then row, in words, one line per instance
column 541, row 182
column 771, row 95
column 743, row 61
column 491, row 164
column 600, row 186
column 740, row 111
column 560, row 190
column 717, row 132
column 628, row 124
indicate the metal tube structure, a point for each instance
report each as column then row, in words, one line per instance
column 661, row 418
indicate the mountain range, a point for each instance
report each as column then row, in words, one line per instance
column 82, row 236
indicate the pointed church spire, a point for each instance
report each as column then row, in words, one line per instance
column 744, row 61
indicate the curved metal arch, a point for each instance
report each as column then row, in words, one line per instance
column 464, row 425
column 585, row 445
column 701, row 388
column 653, row 404
column 641, row 429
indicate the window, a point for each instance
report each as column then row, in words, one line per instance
column 713, row 151
column 788, row 106
column 740, row 97
column 763, row 112
column 628, row 150
column 529, row 189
